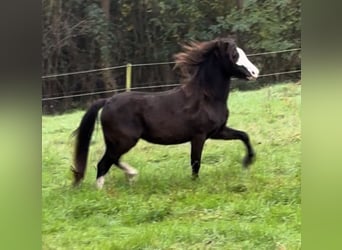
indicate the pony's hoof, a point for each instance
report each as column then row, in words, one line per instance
column 248, row 160
column 76, row 184
column 100, row 182
column 194, row 177
column 132, row 177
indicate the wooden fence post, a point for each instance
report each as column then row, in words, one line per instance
column 128, row 76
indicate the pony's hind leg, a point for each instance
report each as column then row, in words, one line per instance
column 121, row 147
column 104, row 165
column 102, row 168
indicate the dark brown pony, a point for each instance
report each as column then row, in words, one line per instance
column 195, row 111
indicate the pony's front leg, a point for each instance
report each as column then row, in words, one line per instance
column 232, row 134
column 196, row 154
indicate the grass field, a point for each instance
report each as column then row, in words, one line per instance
column 227, row 208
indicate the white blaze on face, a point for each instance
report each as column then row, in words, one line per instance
column 243, row 61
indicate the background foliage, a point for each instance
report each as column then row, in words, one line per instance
column 89, row 34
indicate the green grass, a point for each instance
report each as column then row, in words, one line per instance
column 227, row 208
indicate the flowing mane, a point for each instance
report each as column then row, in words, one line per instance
column 206, row 64
column 193, row 54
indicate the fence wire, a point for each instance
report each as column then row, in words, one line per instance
column 147, row 87
column 149, row 64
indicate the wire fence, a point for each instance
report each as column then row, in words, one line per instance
column 149, row 64
column 146, row 87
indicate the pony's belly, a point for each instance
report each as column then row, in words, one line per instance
column 165, row 140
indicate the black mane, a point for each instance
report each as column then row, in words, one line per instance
column 207, row 65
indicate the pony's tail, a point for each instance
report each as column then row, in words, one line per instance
column 83, row 135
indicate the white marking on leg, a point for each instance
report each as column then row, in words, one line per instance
column 100, row 182
column 130, row 172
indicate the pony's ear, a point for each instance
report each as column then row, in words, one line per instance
column 222, row 45
column 232, row 51
column 226, row 48
column 232, row 36
column 221, row 42
column 226, row 45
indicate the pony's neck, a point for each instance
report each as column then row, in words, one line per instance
column 215, row 94
column 214, row 82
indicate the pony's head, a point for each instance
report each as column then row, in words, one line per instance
column 234, row 60
column 220, row 53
